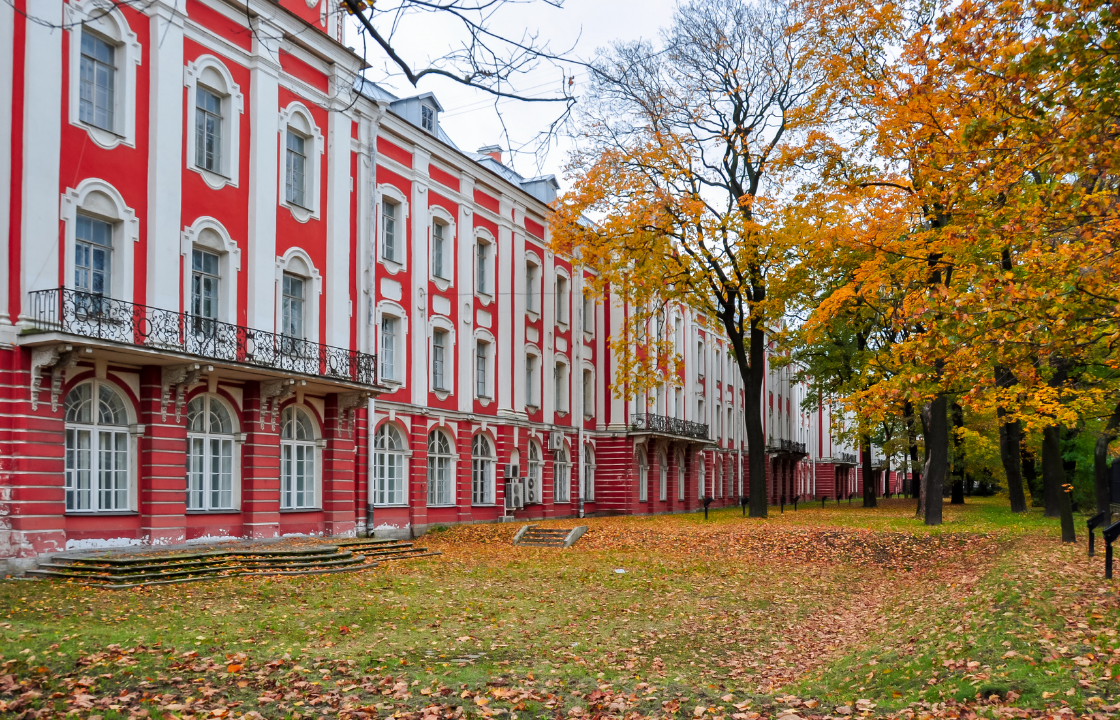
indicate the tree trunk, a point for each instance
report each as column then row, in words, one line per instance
column 1053, row 474
column 957, row 491
column 912, row 443
column 1030, row 477
column 756, row 440
column 921, row 512
column 1010, row 444
column 937, row 456
column 869, row 500
column 1065, row 509
column 1100, row 461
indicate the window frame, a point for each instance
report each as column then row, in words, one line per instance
column 561, row 385
column 109, row 25
column 482, row 268
column 562, row 477
column 587, row 459
column 438, row 216
column 314, row 446
column 100, row 200
column 562, row 297
column 483, row 337
column 197, row 236
column 315, row 147
column 534, row 474
column 128, row 432
column 383, row 457
column 483, row 492
column 532, row 378
column 207, row 437
column 642, row 461
column 444, row 326
column 662, row 476
column 229, row 175
column 532, row 285
column 297, row 262
column 450, row 458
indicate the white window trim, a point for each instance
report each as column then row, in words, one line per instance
column 589, row 471
column 314, row 159
column 531, row 258
column 393, row 310
column 97, row 16
column 487, row 337
column 568, row 485
column 235, row 472
column 491, row 480
column 483, row 236
column 562, row 274
column 436, row 426
column 311, row 304
column 701, row 476
column 533, row 351
column 126, row 233
column 559, row 359
column 588, row 413
column 439, row 322
column 450, row 244
column 231, row 121
column 682, row 476
column 662, row 477
column 318, row 443
column 229, row 266
column 393, row 193
column 588, row 324
column 642, row 461
column 405, row 453
column 134, row 433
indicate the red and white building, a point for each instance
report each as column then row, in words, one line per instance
column 246, row 294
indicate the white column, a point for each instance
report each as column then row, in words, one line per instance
column 264, row 104
column 618, row 405
column 418, row 327
column 165, row 157
column 42, row 127
column 518, row 303
column 550, row 313
column 464, row 281
column 7, row 68
column 507, row 336
column 340, row 185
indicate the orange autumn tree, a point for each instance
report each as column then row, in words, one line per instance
column 691, row 149
column 982, row 197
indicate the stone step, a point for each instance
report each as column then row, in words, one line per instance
column 173, row 571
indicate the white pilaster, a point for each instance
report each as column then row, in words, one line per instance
column 340, row 185
column 42, row 127
column 464, row 281
column 264, row 103
column 7, row 68
column 508, row 334
column 165, row 156
column 418, row 327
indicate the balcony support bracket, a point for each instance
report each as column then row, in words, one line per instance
column 348, row 404
column 273, row 393
column 56, row 358
column 177, row 378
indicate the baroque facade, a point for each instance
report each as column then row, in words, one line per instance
column 247, row 294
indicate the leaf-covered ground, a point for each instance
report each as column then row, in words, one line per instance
column 821, row 612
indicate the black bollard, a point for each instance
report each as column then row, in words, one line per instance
column 795, row 499
column 782, row 502
column 1093, row 523
column 744, row 501
column 707, row 502
column 823, row 498
column 1109, row 535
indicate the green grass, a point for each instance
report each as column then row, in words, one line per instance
column 832, row 605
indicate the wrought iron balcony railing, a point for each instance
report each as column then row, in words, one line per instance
column 96, row 316
column 669, row 426
column 792, row 446
column 848, row 457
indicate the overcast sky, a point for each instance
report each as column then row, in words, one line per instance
column 469, row 116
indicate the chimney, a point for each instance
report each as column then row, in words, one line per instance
column 493, row 151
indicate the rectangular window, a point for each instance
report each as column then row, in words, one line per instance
column 588, row 394
column 297, row 481
column 208, row 130
column 439, row 343
column 204, row 291
column 389, row 231
column 481, row 253
column 93, row 255
column 97, row 87
column 388, row 348
column 562, row 482
column 292, row 311
column 530, row 287
column 438, row 251
column 439, row 480
column 427, row 118
column 560, row 387
column 296, row 183
column 562, row 300
column 530, row 379
column 588, row 314
column 700, row 358
column 482, row 351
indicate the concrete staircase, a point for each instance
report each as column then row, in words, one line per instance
column 536, row 536
column 135, row 570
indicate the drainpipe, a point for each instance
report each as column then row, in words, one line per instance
column 582, row 477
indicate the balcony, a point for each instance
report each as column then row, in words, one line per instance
column 786, row 447
column 95, row 316
column 662, row 425
column 847, row 458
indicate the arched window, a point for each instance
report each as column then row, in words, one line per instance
column 482, row 471
column 719, row 478
column 297, row 460
column 680, row 476
column 209, row 455
column 533, row 478
column 388, row 463
column 663, row 468
column 562, row 480
column 97, row 449
column 701, row 477
column 588, row 472
column 440, row 486
column 643, row 475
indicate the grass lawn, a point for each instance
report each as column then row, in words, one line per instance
column 837, row 611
